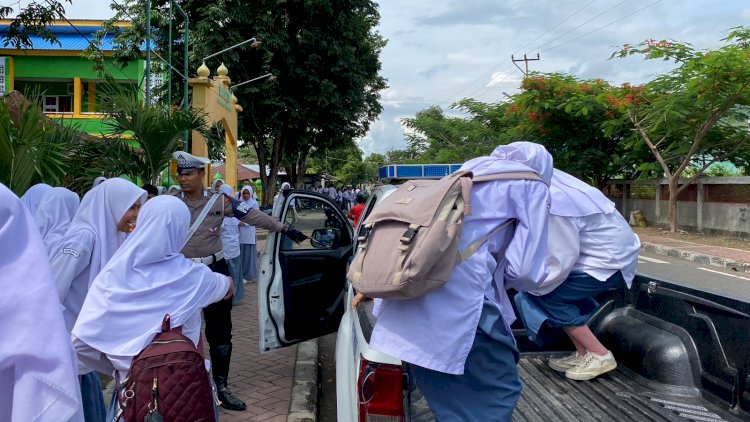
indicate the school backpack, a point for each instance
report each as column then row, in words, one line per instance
column 167, row 381
column 408, row 245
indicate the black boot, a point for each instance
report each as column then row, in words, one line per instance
column 220, row 356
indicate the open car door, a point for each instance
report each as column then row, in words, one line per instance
column 302, row 286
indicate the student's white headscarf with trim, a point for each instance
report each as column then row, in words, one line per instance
column 99, row 213
column 147, row 278
column 38, row 369
column 98, row 181
column 252, row 202
column 33, row 195
column 572, row 197
column 514, row 157
column 53, row 215
column 213, row 185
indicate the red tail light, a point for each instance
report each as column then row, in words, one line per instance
column 381, row 392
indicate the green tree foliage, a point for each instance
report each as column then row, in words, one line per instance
column 146, row 134
column 434, row 137
column 32, row 20
column 692, row 110
column 568, row 117
column 33, row 149
column 324, row 55
column 346, row 164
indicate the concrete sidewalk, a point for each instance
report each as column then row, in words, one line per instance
column 705, row 254
column 263, row 381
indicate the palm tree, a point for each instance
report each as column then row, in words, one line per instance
column 33, row 148
column 145, row 135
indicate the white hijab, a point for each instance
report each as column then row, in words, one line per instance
column 33, row 195
column 176, row 187
column 100, row 211
column 252, row 202
column 229, row 221
column 213, row 185
column 572, row 197
column 38, row 372
column 53, row 215
column 98, row 181
column 161, row 189
column 517, row 156
column 147, row 278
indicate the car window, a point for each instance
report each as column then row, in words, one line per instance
column 307, row 214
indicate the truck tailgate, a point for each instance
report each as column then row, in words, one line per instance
column 549, row 396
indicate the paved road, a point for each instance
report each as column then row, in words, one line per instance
column 716, row 280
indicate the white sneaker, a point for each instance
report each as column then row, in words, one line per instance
column 592, row 366
column 564, row 363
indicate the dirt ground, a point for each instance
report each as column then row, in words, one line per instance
column 706, row 239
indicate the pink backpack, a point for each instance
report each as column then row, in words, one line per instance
column 408, row 245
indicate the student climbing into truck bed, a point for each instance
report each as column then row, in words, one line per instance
column 457, row 338
column 591, row 249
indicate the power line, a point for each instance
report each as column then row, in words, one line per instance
column 91, row 43
column 588, row 33
column 602, row 27
column 525, row 46
column 584, row 23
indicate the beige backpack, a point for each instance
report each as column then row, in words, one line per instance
column 408, row 245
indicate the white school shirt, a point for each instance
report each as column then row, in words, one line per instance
column 598, row 244
column 38, row 379
column 247, row 232
column 437, row 330
column 146, row 278
column 230, row 237
column 90, row 241
column 230, row 231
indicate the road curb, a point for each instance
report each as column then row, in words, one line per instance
column 698, row 258
column 304, row 404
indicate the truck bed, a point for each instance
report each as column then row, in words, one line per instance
column 682, row 356
column 549, row 396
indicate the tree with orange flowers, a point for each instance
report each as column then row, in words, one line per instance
column 568, row 117
column 699, row 109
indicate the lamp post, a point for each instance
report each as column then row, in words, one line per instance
column 270, row 77
column 255, row 44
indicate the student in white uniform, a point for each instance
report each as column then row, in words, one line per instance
column 457, row 339
column 53, row 216
column 37, row 365
column 591, row 249
column 99, row 227
column 216, row 184
column 248, row 250
column 33, row 195
column 98, row 181
column 230, row 241
column 146, row 278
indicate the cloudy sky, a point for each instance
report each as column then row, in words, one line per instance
column 440, row 51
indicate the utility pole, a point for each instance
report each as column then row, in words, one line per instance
column 526, row 60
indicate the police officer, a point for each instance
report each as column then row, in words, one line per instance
column 205, row 247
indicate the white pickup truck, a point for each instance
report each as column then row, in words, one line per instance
column 683, row 353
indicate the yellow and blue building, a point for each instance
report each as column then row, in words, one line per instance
column 70, row 89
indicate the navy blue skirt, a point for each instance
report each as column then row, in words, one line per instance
column 572, row 303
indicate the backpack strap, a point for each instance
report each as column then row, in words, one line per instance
column 474, row 247
column 514, row 175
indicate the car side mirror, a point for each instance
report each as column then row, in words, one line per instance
column 328, row 238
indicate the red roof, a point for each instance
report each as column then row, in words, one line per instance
column 242, row 172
